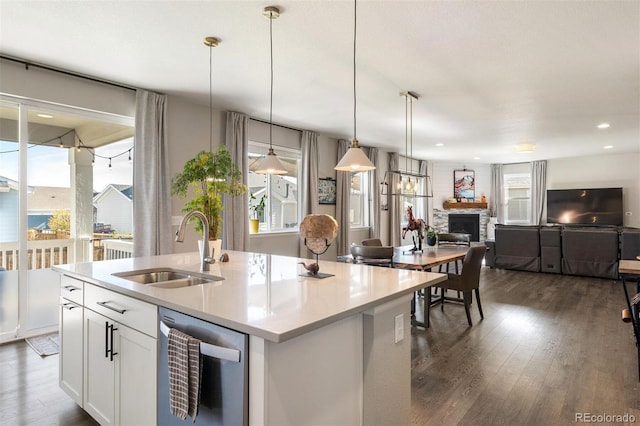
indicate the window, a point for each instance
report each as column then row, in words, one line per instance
column 517, row 192
column 359, row 201
column 280, row 191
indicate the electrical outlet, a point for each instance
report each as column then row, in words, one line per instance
column 175, row 220
column 399, row 327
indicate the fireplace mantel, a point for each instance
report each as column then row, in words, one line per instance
column 449, row 206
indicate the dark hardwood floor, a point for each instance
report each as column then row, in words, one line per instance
column 550, row 346
column 29, row 392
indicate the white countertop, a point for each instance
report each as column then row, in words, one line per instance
column 261, row 295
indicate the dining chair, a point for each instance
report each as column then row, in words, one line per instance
column 466, row 282
column 372, row 255
column 456, row 239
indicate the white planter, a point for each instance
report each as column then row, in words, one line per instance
column 215, row 248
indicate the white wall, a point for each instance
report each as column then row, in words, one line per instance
column 54, row 87
column 601, row 171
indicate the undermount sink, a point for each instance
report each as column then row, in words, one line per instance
column 167, row 277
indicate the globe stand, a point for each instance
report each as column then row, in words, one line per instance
column 317, row 274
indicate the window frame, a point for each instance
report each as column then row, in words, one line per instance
column 255, row 151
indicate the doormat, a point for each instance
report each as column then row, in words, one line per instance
column 47, row 344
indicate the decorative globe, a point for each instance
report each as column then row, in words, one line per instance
column 318, row 231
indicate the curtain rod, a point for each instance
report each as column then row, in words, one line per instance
column 278, row 125
column 28, row 64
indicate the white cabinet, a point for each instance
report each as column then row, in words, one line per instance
column 108, row 353
column 120, row 366
column 99, row 369
column 120, row 371
column 71, row 349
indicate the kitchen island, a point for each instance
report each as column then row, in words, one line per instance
column 321, row 351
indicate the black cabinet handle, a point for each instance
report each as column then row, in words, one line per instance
column 106, row 339
column 70, row 288
column 69, row 306
column 112, row 353
column 104, row 305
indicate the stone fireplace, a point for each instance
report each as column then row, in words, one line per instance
column 441, row 221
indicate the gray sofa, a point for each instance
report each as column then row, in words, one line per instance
column 585, row 251
column 517, row 247
column 591, row 252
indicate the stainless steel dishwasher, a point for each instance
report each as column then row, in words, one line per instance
column 224, row 387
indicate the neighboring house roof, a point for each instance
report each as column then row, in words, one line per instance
column 7, row 184
column 128, row 192
column 125, row 190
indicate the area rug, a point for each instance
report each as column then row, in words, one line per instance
column 47, row 344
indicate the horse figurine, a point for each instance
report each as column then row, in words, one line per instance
column 416, row 225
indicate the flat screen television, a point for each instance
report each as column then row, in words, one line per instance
column 596, row 206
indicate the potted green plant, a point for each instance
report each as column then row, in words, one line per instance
column 208, row 176
column 257, row 209
column 432, row 236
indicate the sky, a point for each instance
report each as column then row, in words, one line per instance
column 49, row 166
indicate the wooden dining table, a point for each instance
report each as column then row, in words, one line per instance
column 430, row 257
column 426, row 259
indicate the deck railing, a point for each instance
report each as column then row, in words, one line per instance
column 117, row 249
column 41, row 254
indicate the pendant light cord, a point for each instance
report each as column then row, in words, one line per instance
column 271, row 93
column 406, row 131
column 355, row 17
column 211, row 99
column 411, row 132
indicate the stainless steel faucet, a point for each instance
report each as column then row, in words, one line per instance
column 206, row 259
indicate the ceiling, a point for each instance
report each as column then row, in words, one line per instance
column 489, row 74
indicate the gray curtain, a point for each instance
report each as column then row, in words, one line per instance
column 235, row 216
column 374, row 196
column 309, row 181
column 497, row 192
column 151, row 183
column 395, row 202
column 538, row 190
column 343, row 194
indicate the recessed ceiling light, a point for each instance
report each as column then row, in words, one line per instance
column 526, row 148
column 44, row 115
column 603, row 126
column 476, row 158
column 439, row 144
column 608, row 146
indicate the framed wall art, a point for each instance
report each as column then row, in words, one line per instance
column 464, row 184
column 326, row 191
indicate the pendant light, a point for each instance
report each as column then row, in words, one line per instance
column 354, row 160
column 271, row 165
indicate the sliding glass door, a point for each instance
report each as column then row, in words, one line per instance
column 47, row 203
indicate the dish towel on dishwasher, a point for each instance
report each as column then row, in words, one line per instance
column 184, row 374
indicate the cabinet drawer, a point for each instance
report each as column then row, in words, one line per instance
column 71, row 289
column 126, row 310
